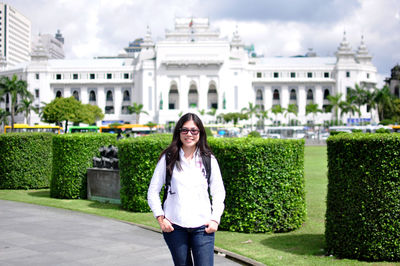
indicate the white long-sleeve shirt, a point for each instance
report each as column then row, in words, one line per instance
column 188, row 205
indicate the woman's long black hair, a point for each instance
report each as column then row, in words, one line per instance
column 172, row 151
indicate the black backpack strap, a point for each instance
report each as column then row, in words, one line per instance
column 207, row 165
column 168, row 177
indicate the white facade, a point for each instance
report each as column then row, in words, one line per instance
column 194, row 69
column 15, row 35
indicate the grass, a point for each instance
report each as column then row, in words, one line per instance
column 301, row 247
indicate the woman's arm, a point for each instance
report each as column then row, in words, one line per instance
column 156, row 183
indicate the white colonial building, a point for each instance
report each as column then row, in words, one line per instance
column 193, row 68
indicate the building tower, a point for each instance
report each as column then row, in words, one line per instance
column 15, row 35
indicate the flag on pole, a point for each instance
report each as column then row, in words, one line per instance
column 191, row 23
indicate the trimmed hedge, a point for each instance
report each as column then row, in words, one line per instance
column 264, row 180
column 363, row 201
column 72, row 155
column 264, row 183
column 137, row 160
column 25, row 160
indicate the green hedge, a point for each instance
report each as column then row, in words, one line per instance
column 72, row 155
column 137, row 160
column 264, row 180
column 363, row 201
column 25, row 160
column 264, row 183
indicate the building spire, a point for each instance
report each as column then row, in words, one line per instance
column 344, row 52
column 362, row 56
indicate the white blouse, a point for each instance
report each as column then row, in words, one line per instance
column 188, row 203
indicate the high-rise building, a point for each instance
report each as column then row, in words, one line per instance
column 53, row 45
column 15, row 35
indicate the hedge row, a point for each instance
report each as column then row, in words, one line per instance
column 363, row 201
column 25, row 160
column 72, row 155
column 264, row 180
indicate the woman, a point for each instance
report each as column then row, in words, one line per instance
column 188, row 218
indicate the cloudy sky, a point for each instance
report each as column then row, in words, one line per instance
column 276, row 28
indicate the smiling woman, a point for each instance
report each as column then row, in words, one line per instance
column 186, row 216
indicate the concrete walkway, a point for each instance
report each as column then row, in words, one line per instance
column 38, row 235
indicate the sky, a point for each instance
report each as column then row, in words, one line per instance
column 275, row 28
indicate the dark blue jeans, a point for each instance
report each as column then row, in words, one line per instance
column 185, row 242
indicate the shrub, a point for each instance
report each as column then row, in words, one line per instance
column 382, row 130
column 254, row 134
column 72, row 155
column 137, row 160
column 264, row 183
column 25, row 160
column 363, row 213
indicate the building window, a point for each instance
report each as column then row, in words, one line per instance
column 396, row 91
column 37, row 75
column 326, row 74
column 150, row 73
column 292, row 74
column 173, row 98
column 58, row 76
column 36, row 93
column 347, row 74
column 293, row 95
column 310, row 95
column 367, row 75
column 109, row 109
column 309, row 74
column 109, row 76
column 212, row 97
column 109, row 96
column 276, row 75
column 126, row 75
column 92, row 76
column 193, row 96
column 259, row 74
column 74, row 76
column 126, row 97
column 76, row 95
column 326, row 94
column 58, row 94
column 276, row 95
column 92, row 96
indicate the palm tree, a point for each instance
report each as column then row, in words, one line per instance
column 277, row 109
column 348, row 106
column 137, row 109
column 262, row 115
column 313, row 109
column 370, row 100
column 292, row 109
column 212, row 112
column 334, row 101
column 26, row 106
column 3, row 117
column 358, row 95
column 250, row 111
column 15, row 87
column 384, row 100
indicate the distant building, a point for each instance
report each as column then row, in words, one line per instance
column 394, row 81
column 193, row 68
column 53, row 45
column 15, row 35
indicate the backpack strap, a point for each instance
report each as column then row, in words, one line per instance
column 207, row 165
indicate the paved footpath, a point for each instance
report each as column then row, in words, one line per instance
column 38, row 235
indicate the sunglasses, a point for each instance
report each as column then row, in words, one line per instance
column 185, row 131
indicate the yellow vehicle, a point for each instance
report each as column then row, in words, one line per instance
column 35, row 128
column 130, row 128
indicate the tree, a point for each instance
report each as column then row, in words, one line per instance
column 262, row 115
column 91, row 113
column 292, row 109
column 347, row 106
column 15, row 87
column 370, row 100
column 358, row 96
column 384, row 102
column 63, row 109
column 277, row 109
column 26, row 106
column 4, row 117
column 250, row 111
column 334, row 104
column 312, row 108
column 212, row 112
column 235, row 117
column 137, row 109
column 151, row 125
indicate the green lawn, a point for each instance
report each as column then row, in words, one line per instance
column 301, row 247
